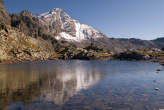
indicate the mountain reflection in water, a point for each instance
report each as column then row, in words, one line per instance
column 54, row 81
column 82, row 85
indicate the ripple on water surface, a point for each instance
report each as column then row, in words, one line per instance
column 82, row 85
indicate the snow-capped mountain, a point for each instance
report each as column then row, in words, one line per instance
column 62, row 26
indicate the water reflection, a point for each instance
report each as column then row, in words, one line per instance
column 55, row 81
column 68, row 81
column 82, row 85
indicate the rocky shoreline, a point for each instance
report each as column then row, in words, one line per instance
column 151, row 55
column 89, row 53
column 93, row 53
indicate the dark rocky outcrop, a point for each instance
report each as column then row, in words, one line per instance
column 130, row 56
column 27, row 23
column 154, row 55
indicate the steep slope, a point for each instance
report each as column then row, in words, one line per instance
column 27, row 23
column 4, row 16
column 62, row 26
column 159, row 42
column 15, row 46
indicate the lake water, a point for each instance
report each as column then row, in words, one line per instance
column 82, row 85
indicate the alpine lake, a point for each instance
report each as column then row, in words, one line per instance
column 82, row 85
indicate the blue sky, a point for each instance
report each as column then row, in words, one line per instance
column 116, row 18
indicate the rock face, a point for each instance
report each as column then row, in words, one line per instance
column 15, row 46
column 4, row 16
column 62, row 26
column 27, row 23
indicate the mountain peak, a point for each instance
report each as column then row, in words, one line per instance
column 57, row 9
column 63, row 26
column 54, row 12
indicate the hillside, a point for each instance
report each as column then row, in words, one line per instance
column 54, row 34
column 15, row 46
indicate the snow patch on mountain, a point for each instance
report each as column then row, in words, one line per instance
column 68, row 36
column 64, row 27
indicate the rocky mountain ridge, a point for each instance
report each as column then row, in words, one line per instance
column 62, row 26
column 57, row 26
column 58, row 36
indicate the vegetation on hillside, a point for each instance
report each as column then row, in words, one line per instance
column 24, row 38
column 15, row 46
